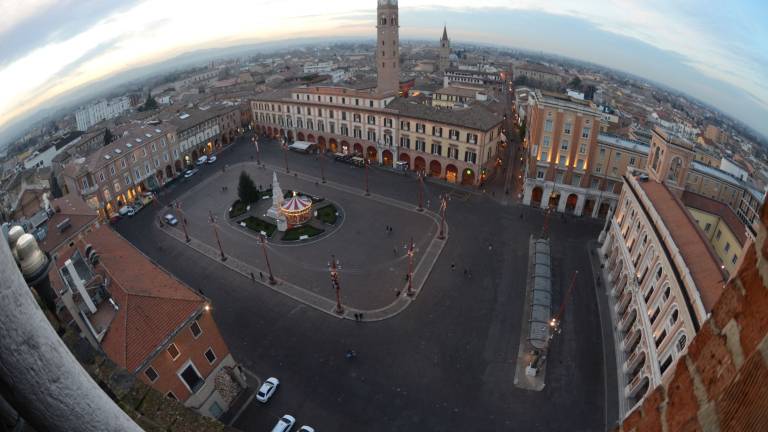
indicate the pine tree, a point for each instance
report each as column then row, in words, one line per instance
column 246, row 189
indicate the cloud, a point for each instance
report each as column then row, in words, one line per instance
column 60, row 21
column 39, row 38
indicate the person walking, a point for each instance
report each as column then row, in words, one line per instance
column 453, row 266
column 253, row 277
column 261, row 276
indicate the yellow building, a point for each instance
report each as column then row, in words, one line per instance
column 722, row 228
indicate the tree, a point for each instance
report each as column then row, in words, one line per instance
column 575, row 83
column 55, row 188
column 246, row 189
column 149, row 104
column 108, row 137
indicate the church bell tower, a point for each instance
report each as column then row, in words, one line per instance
column 388, row 48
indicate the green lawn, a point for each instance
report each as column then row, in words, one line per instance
column 238, row 208
column 327, row 214
column 295, row 233
column 258, row 225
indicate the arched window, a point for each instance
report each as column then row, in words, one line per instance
column 658, row 273
column 681, row 341
column 674, row 169
column 656, row 155
column 673, row 318
column 667, row 292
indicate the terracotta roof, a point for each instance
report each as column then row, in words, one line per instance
column 701, row 261
column 70, row 207
column 725, row 213
column 476, row 116
column 152, row 303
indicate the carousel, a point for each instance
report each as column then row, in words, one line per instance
column 296, row 209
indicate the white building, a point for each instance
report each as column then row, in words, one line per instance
column 338, row 75
column 101, row 110
column 319, row 68
column 733, row 169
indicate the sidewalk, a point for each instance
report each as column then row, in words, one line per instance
column 616, row 407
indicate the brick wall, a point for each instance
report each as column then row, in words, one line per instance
column 721, row 383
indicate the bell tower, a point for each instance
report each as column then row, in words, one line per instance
column 388, row 48
column 445, row 51
column 670, row 159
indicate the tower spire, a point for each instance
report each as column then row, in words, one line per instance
column 445, row 33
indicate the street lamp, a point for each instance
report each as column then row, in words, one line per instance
column 367, row 162
column 183, row 222
column 263, row 240
column 321, row 157
column 216, row 233
column 258, row 152
column 421, row 191
column 443, row 207
column 285, row 154
column 410, row 292
column 334, row 267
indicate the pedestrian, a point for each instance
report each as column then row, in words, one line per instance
column 261, row 276
column 490, row 246
column 361, row 316
column 453, row 266
column 394, row 251
column 253, row 277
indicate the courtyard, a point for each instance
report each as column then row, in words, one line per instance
column 444, row 361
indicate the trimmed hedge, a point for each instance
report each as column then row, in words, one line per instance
column 294, row 233
column 258, row 225
column 238, row 208
column 327, row 214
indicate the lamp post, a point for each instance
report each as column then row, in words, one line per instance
column 263, row 240
column 258, row 151
column 554, row 323
column 334, row 267
column 443, row 207
column 410, row 292
column 321, row 157
column 367, row 192
column 216, row 233
column 183, row 222
column 421, row 191
column 285, row 154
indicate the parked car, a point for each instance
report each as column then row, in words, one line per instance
column 211, row 159
column 126, row 211
column 306, row 428
column 285, row 424
column 267, row 389
column 170, row 219
column 114, row 219
column 190, row 173
column 201, row 160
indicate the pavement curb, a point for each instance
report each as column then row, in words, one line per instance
column 309, row 298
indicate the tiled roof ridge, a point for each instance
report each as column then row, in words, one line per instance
column 700, row 233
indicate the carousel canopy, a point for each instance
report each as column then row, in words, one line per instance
column 296, row 204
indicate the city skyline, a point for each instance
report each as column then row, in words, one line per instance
column 699, row 52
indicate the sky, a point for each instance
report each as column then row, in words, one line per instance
column 715, row 51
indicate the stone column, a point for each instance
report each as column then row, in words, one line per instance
column 582, row 199
column 596, row 209
column 545, row 196
column 562, row 202
column 527, row 193
column 40, row 377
